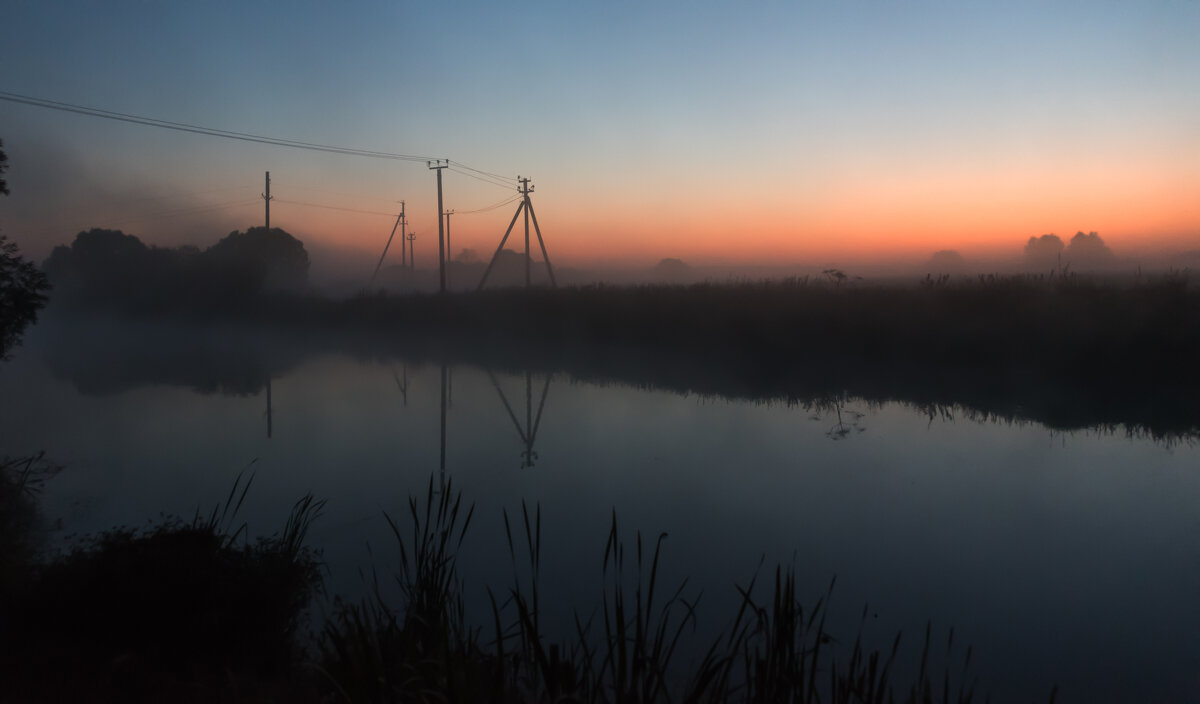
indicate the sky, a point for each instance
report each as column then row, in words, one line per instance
column 754, row 132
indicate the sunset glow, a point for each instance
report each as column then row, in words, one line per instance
column 778, row 134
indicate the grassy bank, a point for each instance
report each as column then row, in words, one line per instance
column 187, row 611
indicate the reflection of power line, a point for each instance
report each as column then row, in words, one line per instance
column 528, row 432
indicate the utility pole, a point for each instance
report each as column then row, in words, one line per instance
column 526, row 205
column 399, row 219
column 526, row 189
column 449, row 251
column 266, row 196
column 412, row 258
column 438, row 165
column 403, row 222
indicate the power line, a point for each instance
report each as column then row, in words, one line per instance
column 493, row 206
column 483, row 173
column 214, row 132
column 333, row 207
column 485, row 179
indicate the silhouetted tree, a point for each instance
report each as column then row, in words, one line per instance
column 1044, row 250
column 22, row 287
column 3, row 168
column 946, row 260
column 1088, row 248
column 279, row 257
column 672, row 269
column 22, row 294
column 102, row 266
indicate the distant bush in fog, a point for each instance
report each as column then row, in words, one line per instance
column 108, row 268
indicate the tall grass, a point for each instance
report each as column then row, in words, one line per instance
column 167, row 611
column 626, row 649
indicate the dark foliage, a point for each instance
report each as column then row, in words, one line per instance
column 108, row 269
column 171, row 610
column 22, row 294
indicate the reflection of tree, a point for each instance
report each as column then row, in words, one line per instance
column 848, row 420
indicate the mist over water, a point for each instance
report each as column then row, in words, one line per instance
column 1047, row 550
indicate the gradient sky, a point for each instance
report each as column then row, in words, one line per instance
column 752, row 132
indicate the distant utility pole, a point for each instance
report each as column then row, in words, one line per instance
column 266, row 196
column 412, row 258
column 403, row 223
column 438, row 165
column 527, row 205
column 399, row 220
column 449, row 251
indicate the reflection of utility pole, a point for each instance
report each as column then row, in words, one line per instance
column 526, row 206
column 269, row 408
column 412, row 258
column 529, row 432
column 442, row 461
column 438, row 165
column 402, row 385
column 266, row 196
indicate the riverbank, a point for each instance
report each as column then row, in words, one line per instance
column 1068, row 352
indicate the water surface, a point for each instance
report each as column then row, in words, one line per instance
column 1068, row 557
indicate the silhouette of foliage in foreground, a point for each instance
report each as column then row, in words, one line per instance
column 176, row 611
column 626, row 649
column 192, row 611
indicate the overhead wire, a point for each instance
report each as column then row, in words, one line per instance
column 486, row 208
column 485, row 179
column 331, row 207
column 482, row 172
column 228, row 134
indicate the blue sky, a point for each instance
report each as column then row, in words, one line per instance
column 798, row 129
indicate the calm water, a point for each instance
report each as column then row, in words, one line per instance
column 1061, row 557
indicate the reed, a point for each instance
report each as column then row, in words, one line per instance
column 627, row 650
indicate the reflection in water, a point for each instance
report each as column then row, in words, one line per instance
column 106, row 357
column 528, row 432
column 985, row 526
column 269, row 409
column 402, row 382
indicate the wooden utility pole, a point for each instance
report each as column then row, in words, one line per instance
column 399, row 220
column 526, row 205
column 438, row 165
column 266, row 196
column 412, row 258
column 403, row 222
column 449, row 251
column 526, row 189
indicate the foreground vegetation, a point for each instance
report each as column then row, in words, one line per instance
column 193, row 611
